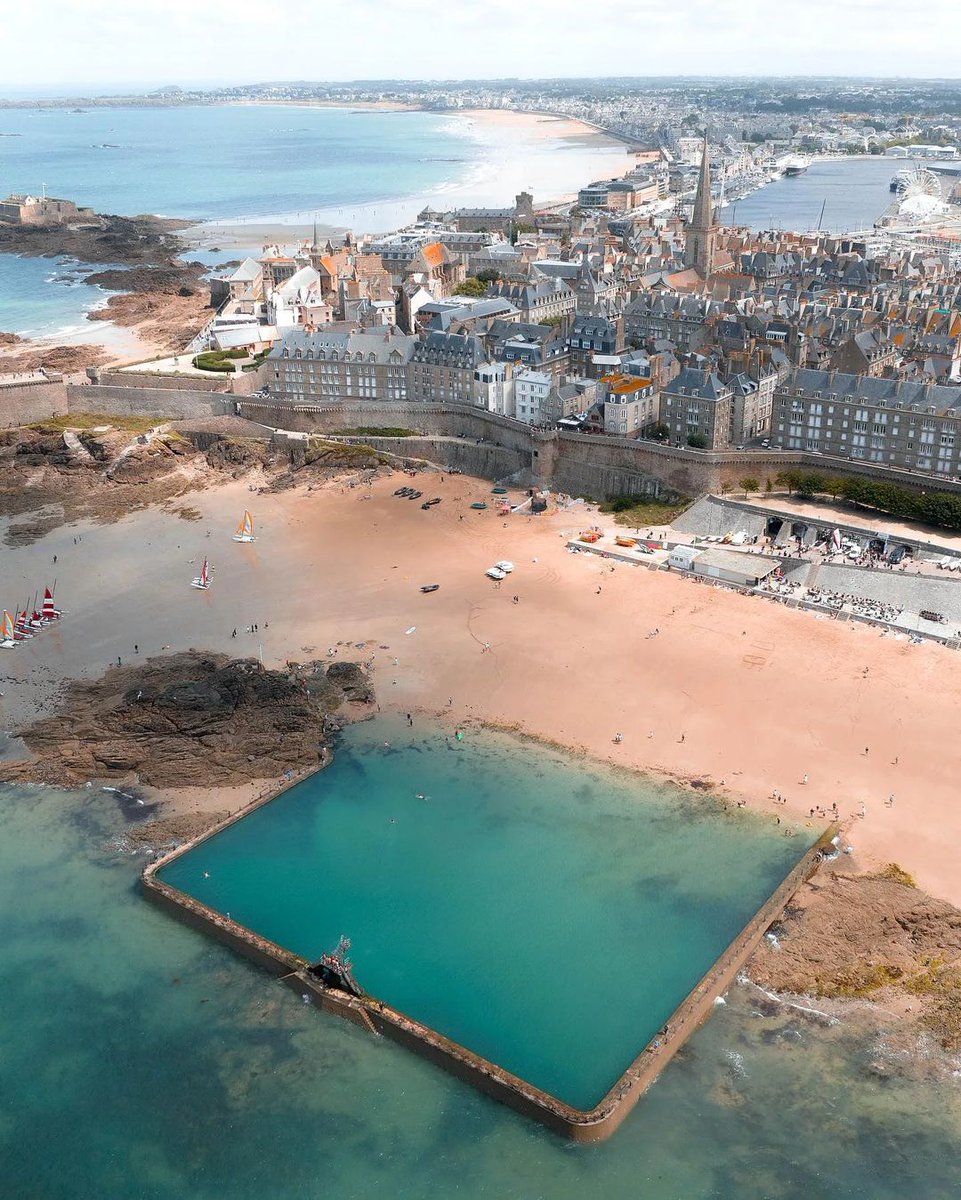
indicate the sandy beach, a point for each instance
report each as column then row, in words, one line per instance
column 747, row 694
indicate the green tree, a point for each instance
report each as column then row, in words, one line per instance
column 470, row 287
column 660, row 431
column 749, row 484
column 697, row 441
column 488, row 275
column 553, row 322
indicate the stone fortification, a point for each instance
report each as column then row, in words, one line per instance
column 26, row 399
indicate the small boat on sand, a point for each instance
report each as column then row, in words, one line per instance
column 625, row 541
column 430, row 587
column 478, row 504
column 245, row 530
column 202, row 581
column 49, row 612
column 590, row 536
column 8, row 638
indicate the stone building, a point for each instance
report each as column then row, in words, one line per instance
column 912, row 425
column 20, row 209
column 442, row 367
column 698, row 404
column 328, row 367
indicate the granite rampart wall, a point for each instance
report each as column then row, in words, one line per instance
column 146, row 401
column 23, row 402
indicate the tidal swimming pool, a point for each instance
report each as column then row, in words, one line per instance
column 546, row 913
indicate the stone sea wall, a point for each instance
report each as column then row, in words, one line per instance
column 127, row 401
column 24, row 401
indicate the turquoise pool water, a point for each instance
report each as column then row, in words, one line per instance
column 547, row 914
column 139, row 1058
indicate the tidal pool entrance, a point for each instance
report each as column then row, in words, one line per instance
column 546, row 913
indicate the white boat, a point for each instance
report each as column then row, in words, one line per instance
column 203, row 579
column 796, row 166
column 8, row 639
column 245, row 530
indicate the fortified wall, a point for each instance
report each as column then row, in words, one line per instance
column 470, row 439
column 28, row 398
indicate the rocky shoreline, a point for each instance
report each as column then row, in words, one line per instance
column 162, row 296
column 192, row 719
column 872, row 937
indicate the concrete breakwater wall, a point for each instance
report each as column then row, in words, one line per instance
column 23, row 401
column 592, row 1125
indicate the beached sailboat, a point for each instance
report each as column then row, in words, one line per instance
column 245, row 530
column 49, row 612
column 203, row 579
column 7, row 635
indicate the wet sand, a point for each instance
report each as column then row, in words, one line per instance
column 732, row 689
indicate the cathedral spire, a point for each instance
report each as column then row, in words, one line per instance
column 703, row 217
column 701, row 232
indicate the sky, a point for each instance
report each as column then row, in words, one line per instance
column 106, row 44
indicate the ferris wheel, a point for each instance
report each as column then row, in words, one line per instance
column 919, row 181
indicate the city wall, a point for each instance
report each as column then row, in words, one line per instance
column 582, row 464
column 23, row 401
column 244, row 383
column 127, row 401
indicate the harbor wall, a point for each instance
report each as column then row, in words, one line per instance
column 377, row 1017
column 23, row 401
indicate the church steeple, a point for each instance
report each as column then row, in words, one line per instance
column 701, row 232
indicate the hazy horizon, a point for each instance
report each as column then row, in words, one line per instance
column 169, row 41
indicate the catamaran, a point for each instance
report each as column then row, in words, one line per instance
column 203, row 579
column 245, row 530
column 8, row 639
column 49, row 612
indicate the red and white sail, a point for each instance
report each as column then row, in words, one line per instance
column 49, row 612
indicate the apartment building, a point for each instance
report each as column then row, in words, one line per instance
column 911, row 425
column 336, row 367
column 698, row 404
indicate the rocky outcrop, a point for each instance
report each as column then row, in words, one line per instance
column 867, row 937
column 192, row 719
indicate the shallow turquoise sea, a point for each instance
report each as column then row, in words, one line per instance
column 140, row 1059
column 547, row 915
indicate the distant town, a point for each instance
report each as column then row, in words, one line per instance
column 632, row 312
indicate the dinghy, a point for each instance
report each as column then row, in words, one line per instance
column 245, row 530
column 203, row 579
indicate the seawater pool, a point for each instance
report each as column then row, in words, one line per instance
column 139, row 1058
column 547, row 914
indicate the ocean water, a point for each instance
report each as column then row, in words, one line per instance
column 854, row 192
column 489, row 908
column 140, row 1059
column 229, row 161
column 43, row 297
column 369, row 170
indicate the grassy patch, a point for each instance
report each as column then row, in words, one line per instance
column 635, row 511
column 377, row 431
column 895, row 874
column 88, row 421
column 319, row 450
